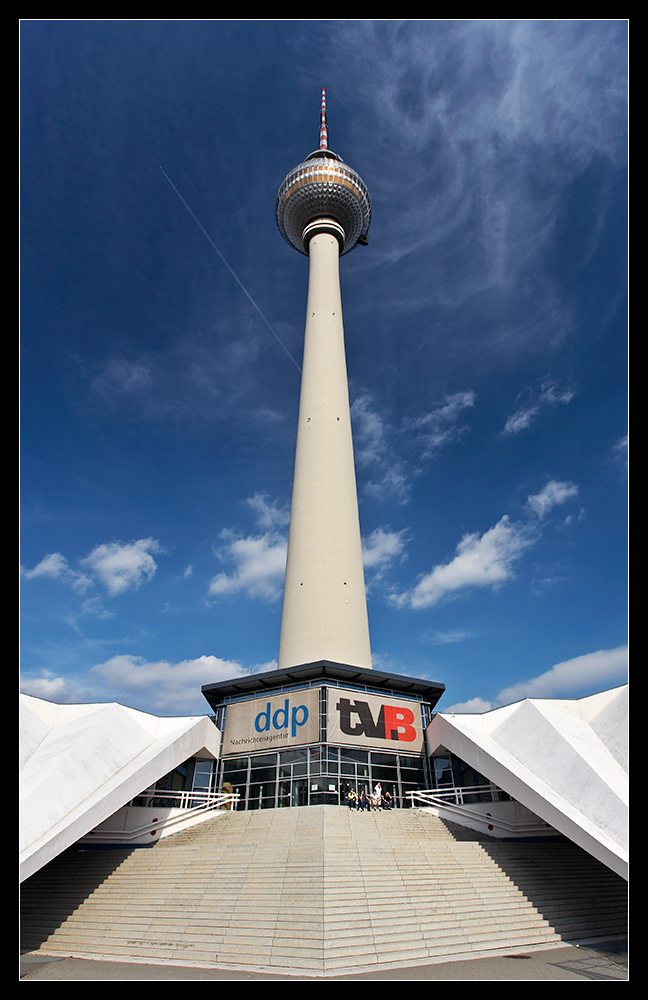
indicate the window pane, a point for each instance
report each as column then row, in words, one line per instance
column 411, row 762
column 384, row 774
column 288, row 756
column 235, row 765
column 263, row 774
column 346, row 754
column 265, row 760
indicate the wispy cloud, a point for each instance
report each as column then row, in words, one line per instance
column 553, row 494
column 621, row 452
column 259, row 565
column 387, row 475
column 474, row 706
column 440, row 426
column 479, row 128
column 56, row 567
column 444, row 638
column 60, row 690
column 259, row 560
column 487, row 560
column 152, row 685
column 602, row 667
column 381, row 547
column 269, row 514
column 549, row 396
column 481, row 561
column 118, row 566
column 596, row 670
column 379, row 551
column 379, row 446
column 121, row 566
column 167, row 687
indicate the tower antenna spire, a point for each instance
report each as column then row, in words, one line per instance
column 323, row 124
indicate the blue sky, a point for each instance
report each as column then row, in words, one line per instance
column 486, row 335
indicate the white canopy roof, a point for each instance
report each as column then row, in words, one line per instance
column 79, row 764
column 566, row 761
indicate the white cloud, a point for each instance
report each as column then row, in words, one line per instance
column 440, row 638
column 123, row 566
column 268, row 515
column 165, row 686
column 392, row 484
column 260, row 566
column 381, row 547
column 549, row 395
column 369, row 432
column 261, row 668
column 620, row 452
column 60, row 690
column 379, row 550
column 121, row 376
column 594, row 671
column 550, row 496
column 439, row 427
column 373, row 452
column 487, row 560
column 55, row 567
column 520, row 420
column 474, row 706
column 378, row 451
column 481, row 561
column 605, row 666
column 259, row 561
column 118, row 566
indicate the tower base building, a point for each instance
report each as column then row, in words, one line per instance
column 308, row 735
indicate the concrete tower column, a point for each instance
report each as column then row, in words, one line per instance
column 325, row 609
column 323, row 210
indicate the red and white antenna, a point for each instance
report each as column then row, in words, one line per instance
column 323, row 126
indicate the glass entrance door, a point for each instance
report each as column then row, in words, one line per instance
column 299, row 792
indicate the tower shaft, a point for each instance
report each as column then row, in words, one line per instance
column 325, row 609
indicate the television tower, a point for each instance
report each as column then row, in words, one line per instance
column 323, row 210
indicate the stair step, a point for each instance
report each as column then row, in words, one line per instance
column 322, row 889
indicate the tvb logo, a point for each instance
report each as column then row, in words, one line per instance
column 393, row 723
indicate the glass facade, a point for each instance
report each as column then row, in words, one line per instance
column 449, row 771
column 320, row 774
column 309, row 734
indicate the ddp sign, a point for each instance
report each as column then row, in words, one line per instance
column 266, row 723
column 374, row 720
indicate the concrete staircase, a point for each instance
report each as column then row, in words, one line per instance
column 320, row 890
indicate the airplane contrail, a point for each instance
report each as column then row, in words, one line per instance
column 231, row 271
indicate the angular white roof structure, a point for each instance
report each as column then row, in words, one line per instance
column 566, row 761
column 79, row 764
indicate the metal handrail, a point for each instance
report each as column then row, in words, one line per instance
column 158, row 798
column 457, row 795
column 211, row 801
column 452, row 800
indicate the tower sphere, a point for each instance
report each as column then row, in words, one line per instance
column 323, row 187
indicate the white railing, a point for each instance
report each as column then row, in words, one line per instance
column 458, row 796
column 462, row 805
column 186, row 807
column 156, row 798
